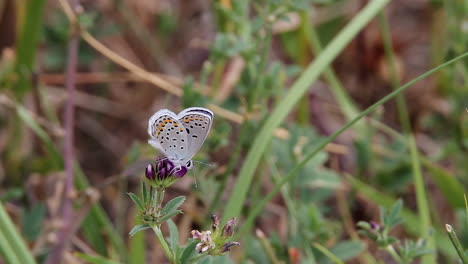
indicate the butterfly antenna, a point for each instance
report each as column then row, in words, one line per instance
column 207, row 164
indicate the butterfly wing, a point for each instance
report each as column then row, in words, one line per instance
column 197, row 124
column 168, row 134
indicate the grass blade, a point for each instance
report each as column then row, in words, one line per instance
column 27, row 44
column 95, row 259
column 14, row 239
column 456, row 243
column 327, row 253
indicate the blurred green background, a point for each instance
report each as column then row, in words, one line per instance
column 282, row 77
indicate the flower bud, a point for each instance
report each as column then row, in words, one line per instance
column 228, row 245
column 374, row 225
column 164, row 168
column 150, row 173
column 215, row 222
column 228, row 229
column 180, row 172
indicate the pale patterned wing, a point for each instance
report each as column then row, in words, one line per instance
column 197, row 123
column 168, row 134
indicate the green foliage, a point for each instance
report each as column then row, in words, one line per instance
column 95, row 259
column 172, row 205
column 27, row 43
column 12, row 245
column 33, row 220
column 407, row 251
column 138, row 228
column 295, row 170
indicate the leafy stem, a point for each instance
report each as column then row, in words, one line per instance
column 163, row 242
column 390, row 249
column 159, row 200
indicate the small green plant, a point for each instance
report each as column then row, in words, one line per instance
column 153, row 213
column 402, row 252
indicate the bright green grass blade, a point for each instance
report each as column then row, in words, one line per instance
column 6, row 252
column 296, row 92
column 16, row 243
column 456, row 243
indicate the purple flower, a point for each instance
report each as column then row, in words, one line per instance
column 150, row 173
column 163, row 170
column 374, row 225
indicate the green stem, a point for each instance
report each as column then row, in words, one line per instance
column 391, row 250
column 270, row 252
column 328, row 253
column 159, row 199
column 456, row 243
column 164, row 244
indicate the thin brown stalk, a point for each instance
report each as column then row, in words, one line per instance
column 66, row 210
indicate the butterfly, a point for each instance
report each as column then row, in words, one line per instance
column 179, row 137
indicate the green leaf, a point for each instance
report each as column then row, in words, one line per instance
column 138, row 228
column 392, row 217
column 347, row 250
column 137, row 200
column 172, row 205
column 188, row 251
column 144, row 192
column 32, row 221
column 170, row 215
column 174, row 236
column 95, row 259
column 447, row 183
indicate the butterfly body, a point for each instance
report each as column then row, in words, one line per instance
column 180, row 136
